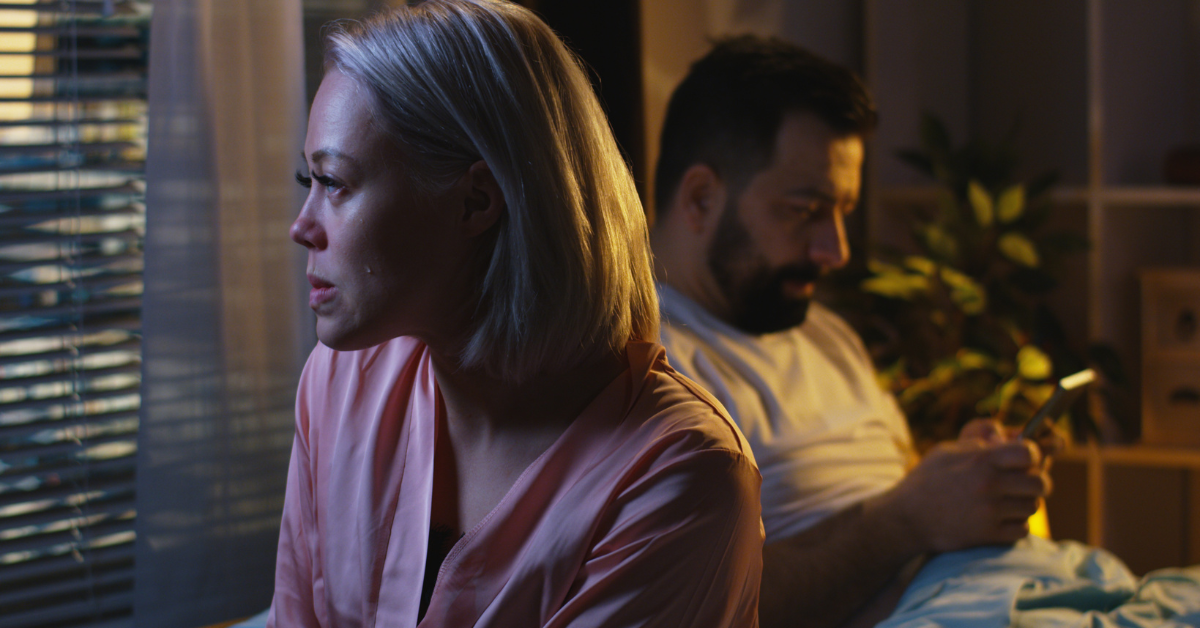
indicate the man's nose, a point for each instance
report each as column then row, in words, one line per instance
column 828, row 246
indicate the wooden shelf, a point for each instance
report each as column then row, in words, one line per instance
column 1151, row 196
column 1135, row 455
column 1109, row 526
column 927, row 195
column 1116, row 197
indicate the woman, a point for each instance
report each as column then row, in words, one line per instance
column 486, row 435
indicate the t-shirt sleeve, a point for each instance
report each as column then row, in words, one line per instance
column 295, row 576
column 680, row 547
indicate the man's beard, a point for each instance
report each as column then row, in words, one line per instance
column 754, row 292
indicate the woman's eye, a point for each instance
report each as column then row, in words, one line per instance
column 328, row 183
column 324, row 181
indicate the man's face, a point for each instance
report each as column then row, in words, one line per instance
column 785, row 228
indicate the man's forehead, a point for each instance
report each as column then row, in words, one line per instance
column 804, row 140
column 811, row 159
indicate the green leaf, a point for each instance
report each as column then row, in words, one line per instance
column 944, row 373
column 956, row 279
column 969, row 295
column 989, row 405
column 969, row 359
column 1018, row 248
column 922, row 265
column 879, row 267
column 981, row 203
column 1007, row 391
column 892, row 377
column 939, row 243
column 1011, row 204
column 1038, row 394
column 1033, row 363
column 915, row 391
column 896, row 285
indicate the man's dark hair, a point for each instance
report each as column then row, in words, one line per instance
column 727, row 111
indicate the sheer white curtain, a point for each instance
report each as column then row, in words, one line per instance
column 225, row 320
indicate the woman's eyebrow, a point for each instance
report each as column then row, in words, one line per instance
column 319, row 155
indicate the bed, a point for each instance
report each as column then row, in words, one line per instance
column 1034, row 584
column 1045, row 584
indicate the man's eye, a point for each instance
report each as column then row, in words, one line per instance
column 807, row 209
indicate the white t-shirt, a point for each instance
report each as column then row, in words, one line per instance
column 824, row 433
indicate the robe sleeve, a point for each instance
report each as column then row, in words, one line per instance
column 681, row 546
column 296, row 579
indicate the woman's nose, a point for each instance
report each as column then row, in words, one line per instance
column 307, row 232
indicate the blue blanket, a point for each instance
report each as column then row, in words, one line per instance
column 258, row 621
column 1035, row 584
column 1048, row 585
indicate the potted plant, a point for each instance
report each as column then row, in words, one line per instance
column 958, row 322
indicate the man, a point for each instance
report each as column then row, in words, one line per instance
column 761, row 159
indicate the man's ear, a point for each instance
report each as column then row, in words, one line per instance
column 701, row 198
column 483, row 202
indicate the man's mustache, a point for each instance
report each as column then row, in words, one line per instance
column 806, row 273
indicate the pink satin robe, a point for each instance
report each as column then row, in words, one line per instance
column 645, row 512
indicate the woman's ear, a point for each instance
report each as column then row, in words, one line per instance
column 483, row 202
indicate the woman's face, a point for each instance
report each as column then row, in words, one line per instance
column 383, row 260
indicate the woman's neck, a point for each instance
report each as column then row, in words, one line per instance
column 495, row 429
column 482, row 406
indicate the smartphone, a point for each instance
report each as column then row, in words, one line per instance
column 1065, row 393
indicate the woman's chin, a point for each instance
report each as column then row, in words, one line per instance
column 340, row 338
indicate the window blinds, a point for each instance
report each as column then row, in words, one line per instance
column 72, row 151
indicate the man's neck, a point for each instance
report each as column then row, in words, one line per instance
column 688, row 276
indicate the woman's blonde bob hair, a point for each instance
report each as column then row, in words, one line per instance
column 457, row 81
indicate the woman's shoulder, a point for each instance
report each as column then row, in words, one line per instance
column 670, row 407
column 679, row 474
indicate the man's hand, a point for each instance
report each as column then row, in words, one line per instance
column 979, row 490
column 1048, row 440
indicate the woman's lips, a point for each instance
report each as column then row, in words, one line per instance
column 322, row 292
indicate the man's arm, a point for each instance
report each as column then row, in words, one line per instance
column 824, row 575
column 960, row 495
